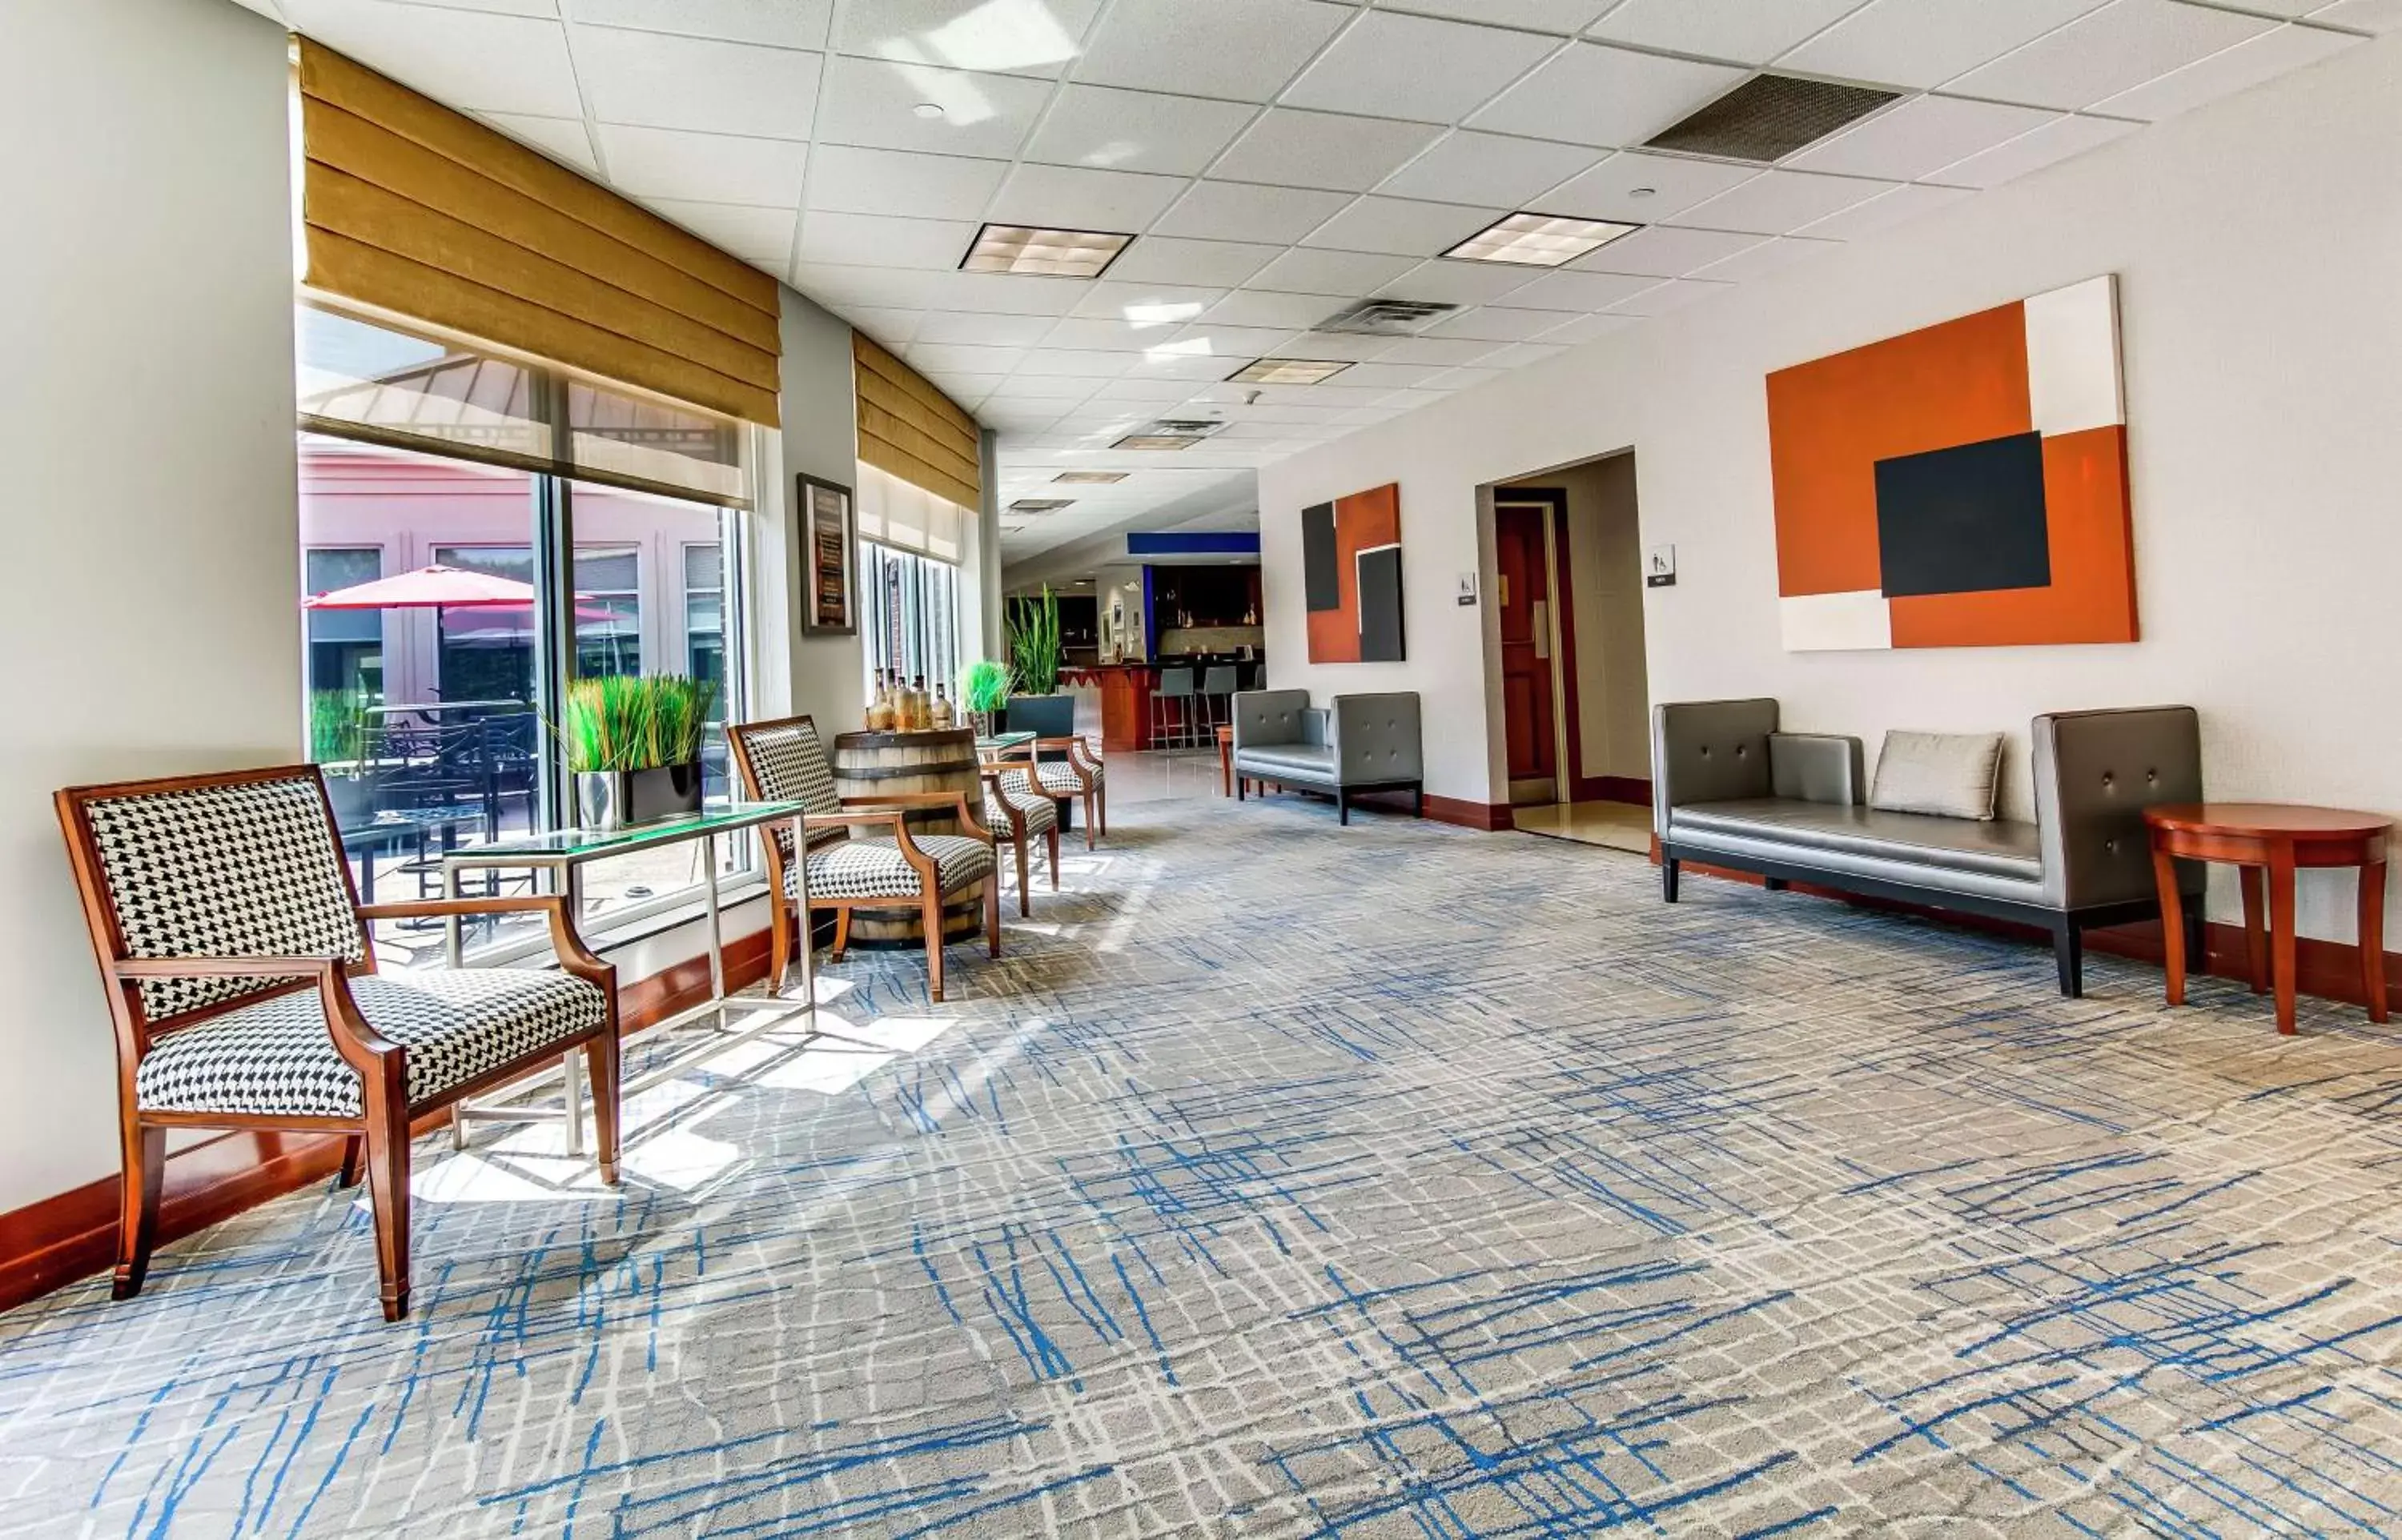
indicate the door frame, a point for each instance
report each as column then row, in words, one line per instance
column 1568, row 722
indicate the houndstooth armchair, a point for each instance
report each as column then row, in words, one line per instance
column 241, row 977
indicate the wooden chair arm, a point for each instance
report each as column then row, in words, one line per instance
column 362, row 1047
column 565, row 941
column 956, row 801
column 1080, row 756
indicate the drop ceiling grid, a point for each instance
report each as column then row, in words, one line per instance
column 758, row 175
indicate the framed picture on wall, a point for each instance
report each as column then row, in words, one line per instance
column 829, row 551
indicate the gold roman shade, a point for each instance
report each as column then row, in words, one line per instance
column 910, row 430
column 414, row 210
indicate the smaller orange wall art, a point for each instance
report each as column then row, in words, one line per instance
column 1962, row 486
column 1351, row 568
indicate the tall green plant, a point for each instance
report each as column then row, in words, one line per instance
column 983, row 685
column 338, row 727
column 1034, row 650
column 635, row 722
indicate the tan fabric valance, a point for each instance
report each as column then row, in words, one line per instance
column 911, row 429
column 414, row 210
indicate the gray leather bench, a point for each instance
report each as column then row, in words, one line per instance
column 1728, row 790
column 1358, row 743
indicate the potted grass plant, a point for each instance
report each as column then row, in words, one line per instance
column 633, row 744
column 984, row 690
column 1035, row 651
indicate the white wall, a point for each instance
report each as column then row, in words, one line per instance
column 822, row 676
column 2257, row 242
column 147, row 422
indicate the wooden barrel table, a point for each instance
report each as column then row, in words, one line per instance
column 878, row 764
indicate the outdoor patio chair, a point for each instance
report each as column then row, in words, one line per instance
column 784, row 761
column 240, row 973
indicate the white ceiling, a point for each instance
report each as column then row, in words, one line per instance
column 1280, row 159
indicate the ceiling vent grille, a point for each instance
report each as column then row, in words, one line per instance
column 1386, row 317
column 1770, row 116
column 1185, row 427
column 1040, row 505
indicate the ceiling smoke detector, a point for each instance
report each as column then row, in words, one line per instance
column 1769, row 116
column 1386, row 317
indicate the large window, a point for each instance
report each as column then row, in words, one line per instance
column 911, row 606
column 457, row 580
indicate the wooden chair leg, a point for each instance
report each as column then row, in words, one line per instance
column 1092, row 830
column 1055, row 857
column 600, row 1064
column 1025, row 891
column 841, row 931
column 387, row 1141
column 137, row 1222
column 992, row 909
column 1102, row 807
column 354, row 1155
column 933, row 911
column 780, row 944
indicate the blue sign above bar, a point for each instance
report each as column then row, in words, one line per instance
column 1198, row 542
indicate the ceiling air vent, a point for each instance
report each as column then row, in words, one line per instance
column 1386, row 317
column 1186, row 427
column 1039, row 504
column 1769, row 116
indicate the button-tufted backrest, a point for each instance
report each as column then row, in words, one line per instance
column 2094, row 774
column 784, row 761
column 246, row 866
column 1265, row 717
column 1709, row 750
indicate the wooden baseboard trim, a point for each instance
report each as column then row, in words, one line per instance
column 52, row 1243
column 2327, row 970
column 1487, row 816
column 1627, row 788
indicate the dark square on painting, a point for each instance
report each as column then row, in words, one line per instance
column 1321, row 575
column 1964, row 520
column 1380, row 605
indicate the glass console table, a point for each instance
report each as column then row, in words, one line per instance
column 564, row 854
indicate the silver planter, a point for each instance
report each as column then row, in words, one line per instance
column 612, row 799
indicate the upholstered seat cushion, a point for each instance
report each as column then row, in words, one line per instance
column 1307, row 760
column 876, row 869
column 1058, row 779
column 1997, row 848
column 276, row 1058
column 1042, row 813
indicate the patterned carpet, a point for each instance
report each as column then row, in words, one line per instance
column 1290, row 1181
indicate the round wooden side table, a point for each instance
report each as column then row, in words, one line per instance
column 2274, row 838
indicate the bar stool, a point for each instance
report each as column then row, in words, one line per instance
column 1172, row 729
column 1218, row 686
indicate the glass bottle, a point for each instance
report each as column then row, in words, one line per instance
column 879, row 706
column 940, row 715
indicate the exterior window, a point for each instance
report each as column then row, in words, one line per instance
column 608, row 611
column 704, row 611
column 485, row 656
column 345, row 646
column 912, row 619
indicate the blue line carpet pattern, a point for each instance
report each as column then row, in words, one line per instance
column 1289, row 1181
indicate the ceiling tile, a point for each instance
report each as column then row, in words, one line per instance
column 1769, row 256
column 1004, row 37
column 953, row 358
column 1778, row 203
column 2116, row 49
column 1414, row 66
column 1615, row 189
column 1402, row 226
column 1918, row 136
column 1097, row 334
column 752, row 234
column 1494, row 323
column 655, row 80
column 1585, row 328
column 1924, row 43
column 467, row 60
column 1744, row 31
column 1097, row 364
column 1170, row 259
column 1316, row 149
column 1242, row 50
column 970, row 329
column 871, row 240
column 1207, row 338
column 1552, row 16
column 1348, row 273
column 857, row 180
column 1007, row 294
column 1391, row 376
column 837, row 285
column 1030, row 389
column 1080, row 198
column 1155, row 304
column 1136, row 131
column 2056, row 141
column 1886, row 210
column 1438, row 349
column 1459, row 283
column 780, row 23
column 895, row 328
column 1346, row 345
column 1574, row 291
column 1516, row 356
column 562, row 139
column 1675, row 295
column 1260, row 308
column 706, row 167
column 875, row 102
column 1149, row 388
column 1597, row 95
column 1665, row 251
column 1466, row 167
column 1188, row 367
column 1246, row 212
column 2246, row 64
column 2368, row 15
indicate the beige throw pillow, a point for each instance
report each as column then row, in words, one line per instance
column 1953, row 775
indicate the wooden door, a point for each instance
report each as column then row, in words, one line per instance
column 1526, row 640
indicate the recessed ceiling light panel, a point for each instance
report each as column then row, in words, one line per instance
column 1054, row 254
column 1538, row 239
column 1157, row 441
column 1288, row 371
column 1090, row 478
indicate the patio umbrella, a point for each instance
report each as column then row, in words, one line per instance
column 439, row 587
